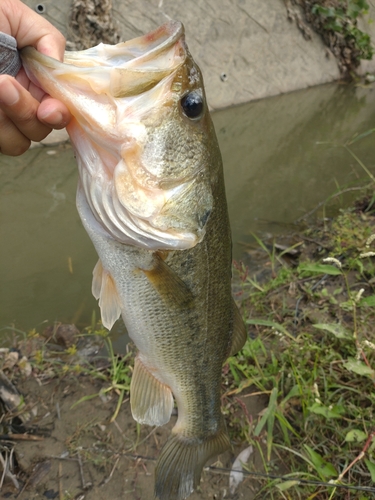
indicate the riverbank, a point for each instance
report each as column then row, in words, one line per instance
column 300, row 393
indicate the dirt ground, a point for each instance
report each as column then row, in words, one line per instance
column 76, row 452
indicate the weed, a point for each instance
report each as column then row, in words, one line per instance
column 336, row 22
column 341, row 17
column 119, row 377
column 312, row 354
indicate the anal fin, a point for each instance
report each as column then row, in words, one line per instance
column 151, row 401
column 104, row 289
column 239, row 334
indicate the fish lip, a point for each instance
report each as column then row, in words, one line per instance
column 137, row 56
column 172, row 30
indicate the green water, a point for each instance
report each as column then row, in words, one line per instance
column 275, row 171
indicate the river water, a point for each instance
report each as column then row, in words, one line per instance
column 282, row 156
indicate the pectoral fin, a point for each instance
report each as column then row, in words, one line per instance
column 97, row 276
column 169, row 285
column 151, row 401
column 239, row 334
column 104, row 289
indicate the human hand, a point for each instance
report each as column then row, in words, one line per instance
column 27, row 113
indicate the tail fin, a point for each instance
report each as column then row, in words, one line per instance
column 181, row 461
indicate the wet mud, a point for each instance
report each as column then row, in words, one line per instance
column 66, row 450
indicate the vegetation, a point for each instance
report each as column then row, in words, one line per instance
column 312, row 352
column 337, row 22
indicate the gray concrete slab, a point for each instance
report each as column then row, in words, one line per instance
column 247, row 49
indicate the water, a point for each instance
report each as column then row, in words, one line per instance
column 275, row 172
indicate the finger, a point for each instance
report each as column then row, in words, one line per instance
column 52, row 44
column 29, row 28
column 53, row 113
column 12, row 141
column 21, row 108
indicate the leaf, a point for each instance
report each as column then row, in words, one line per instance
column 336, row 329
column 334, row 412
column 286, row 485
column 294, row 392
column 361, row 136
column 272, row 324
column 323, row 468
column 371, row 469
column 359, row 367
column 355, row 435
column 368, row 301
column 271, row 420
column 269, row 410
column 84, row 398
column 319, row 269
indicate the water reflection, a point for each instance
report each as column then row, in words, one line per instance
column 275, row 171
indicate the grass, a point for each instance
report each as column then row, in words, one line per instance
column 311, row 352
column 49, row 360
column 337, row 22
column 118, row 376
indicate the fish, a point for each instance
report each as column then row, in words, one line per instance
column 151, row 197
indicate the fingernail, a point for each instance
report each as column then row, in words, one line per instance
column 9, row 95
column 53, row 119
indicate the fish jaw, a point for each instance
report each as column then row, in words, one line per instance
column 142, row 178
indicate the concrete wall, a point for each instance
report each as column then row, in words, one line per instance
column 247, row 49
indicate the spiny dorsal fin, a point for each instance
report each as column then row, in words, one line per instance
column 181, row 461
column 104, row 289
column 239, row 334
column 169, row 285
column 151, row 401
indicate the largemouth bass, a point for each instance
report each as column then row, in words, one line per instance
column 151, row 197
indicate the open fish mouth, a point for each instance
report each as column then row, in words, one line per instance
column 134, row 66
column 125, row 100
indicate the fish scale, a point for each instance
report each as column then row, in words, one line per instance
column 159, row 222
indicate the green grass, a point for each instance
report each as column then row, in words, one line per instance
column 316, row 366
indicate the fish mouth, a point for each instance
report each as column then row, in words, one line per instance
column 135, row 66
column 114, row 93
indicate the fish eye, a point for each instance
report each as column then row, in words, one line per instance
column 192, row 105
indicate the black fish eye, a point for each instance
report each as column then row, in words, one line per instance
column 192, row 105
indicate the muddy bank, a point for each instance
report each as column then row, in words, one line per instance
column 62, row 446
